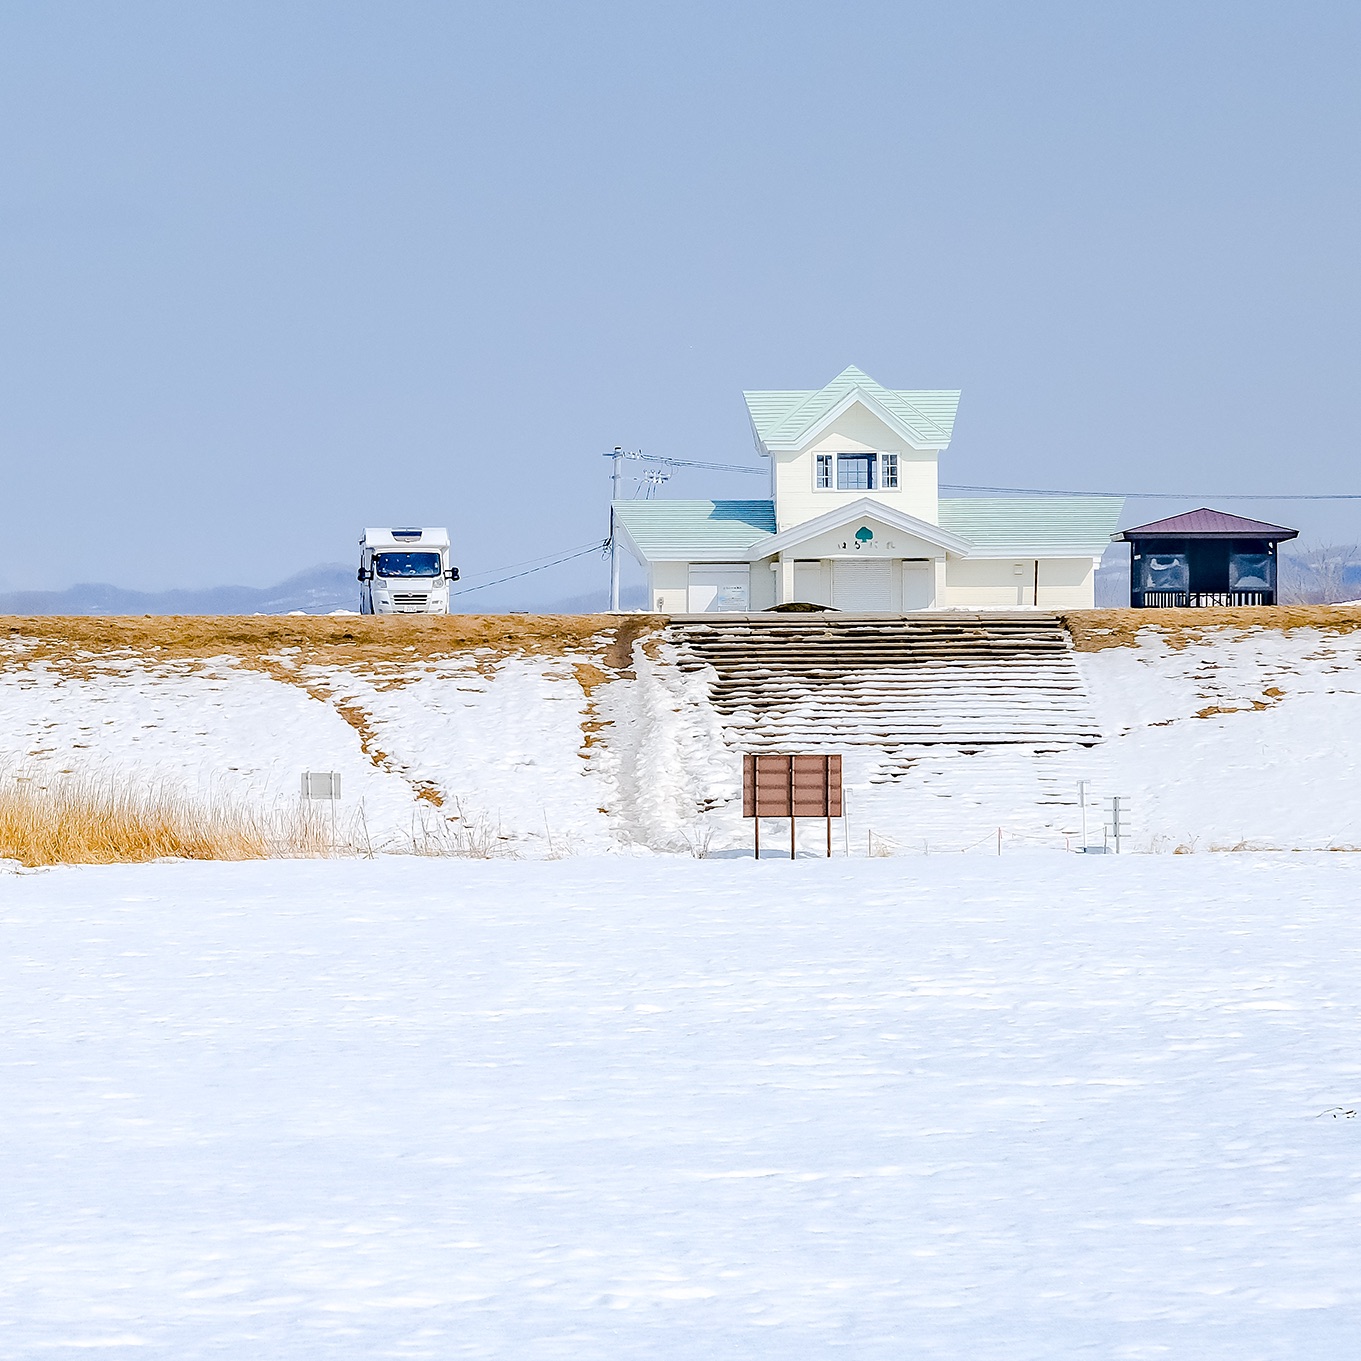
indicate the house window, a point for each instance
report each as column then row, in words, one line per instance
column 855, row 472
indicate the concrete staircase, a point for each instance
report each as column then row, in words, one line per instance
column 910, row 686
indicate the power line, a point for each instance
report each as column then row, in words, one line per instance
column 1154, row 495
column 721, row 467
column 515, row 576
column 641, row 457
column 526, row 562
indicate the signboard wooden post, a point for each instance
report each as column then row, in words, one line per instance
column 776, row 785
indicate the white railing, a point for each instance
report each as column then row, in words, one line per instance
column 1172, row 600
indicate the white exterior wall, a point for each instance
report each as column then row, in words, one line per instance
column 989, row 583
column 970, row 583
column 813, row 580
column 856, row 431
column 669, row 586
column 1067, row 583
column 765, row 584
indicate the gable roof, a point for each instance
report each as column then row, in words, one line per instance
column 788, row 420
column 866, row 508
column 1033, row 526
column 1208, row 524
column 694, row 531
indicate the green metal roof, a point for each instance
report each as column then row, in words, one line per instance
column 1023, row 526
column 784, row 418
column 680, row 531
column 1047, row 526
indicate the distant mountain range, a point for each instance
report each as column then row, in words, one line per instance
column 318, row 590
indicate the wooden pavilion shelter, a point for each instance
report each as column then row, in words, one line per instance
column 1204, row 557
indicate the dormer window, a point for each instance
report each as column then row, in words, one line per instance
column 857, row 472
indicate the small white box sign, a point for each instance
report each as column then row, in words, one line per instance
column 321, row 784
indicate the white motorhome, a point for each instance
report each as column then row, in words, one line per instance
column 405, row 571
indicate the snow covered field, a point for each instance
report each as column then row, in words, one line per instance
column 621, row 1107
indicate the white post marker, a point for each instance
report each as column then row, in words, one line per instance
column 321, row 784
column 1119, row 819
column 1082, row 787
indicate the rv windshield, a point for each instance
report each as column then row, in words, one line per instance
column 406, row 564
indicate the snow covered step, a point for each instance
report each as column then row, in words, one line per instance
column 904, row 684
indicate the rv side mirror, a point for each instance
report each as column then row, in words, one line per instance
column 452, row 574
column 363, row 575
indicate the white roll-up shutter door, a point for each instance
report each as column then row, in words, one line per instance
column 862, row 584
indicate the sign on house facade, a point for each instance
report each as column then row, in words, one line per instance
column 855, row 520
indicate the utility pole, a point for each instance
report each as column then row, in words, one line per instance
column 654, row 479
column 615, row 479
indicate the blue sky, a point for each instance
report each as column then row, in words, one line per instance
column 270, row 272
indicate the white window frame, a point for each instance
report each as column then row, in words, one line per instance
column 887, row 471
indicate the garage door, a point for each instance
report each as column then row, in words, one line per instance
column 860, row 585
column 720, row 587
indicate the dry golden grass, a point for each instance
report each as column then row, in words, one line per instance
column 381, row 643
column 327, row 640
column 1092, row 630
column 76, row 821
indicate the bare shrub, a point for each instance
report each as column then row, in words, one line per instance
column 697, row 840
column 459, row 834
column 1319, row 576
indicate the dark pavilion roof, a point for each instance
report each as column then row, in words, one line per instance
column 1207, row 524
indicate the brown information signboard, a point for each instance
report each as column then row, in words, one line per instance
column 776, row 785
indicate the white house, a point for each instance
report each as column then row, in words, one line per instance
column 855, row 521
